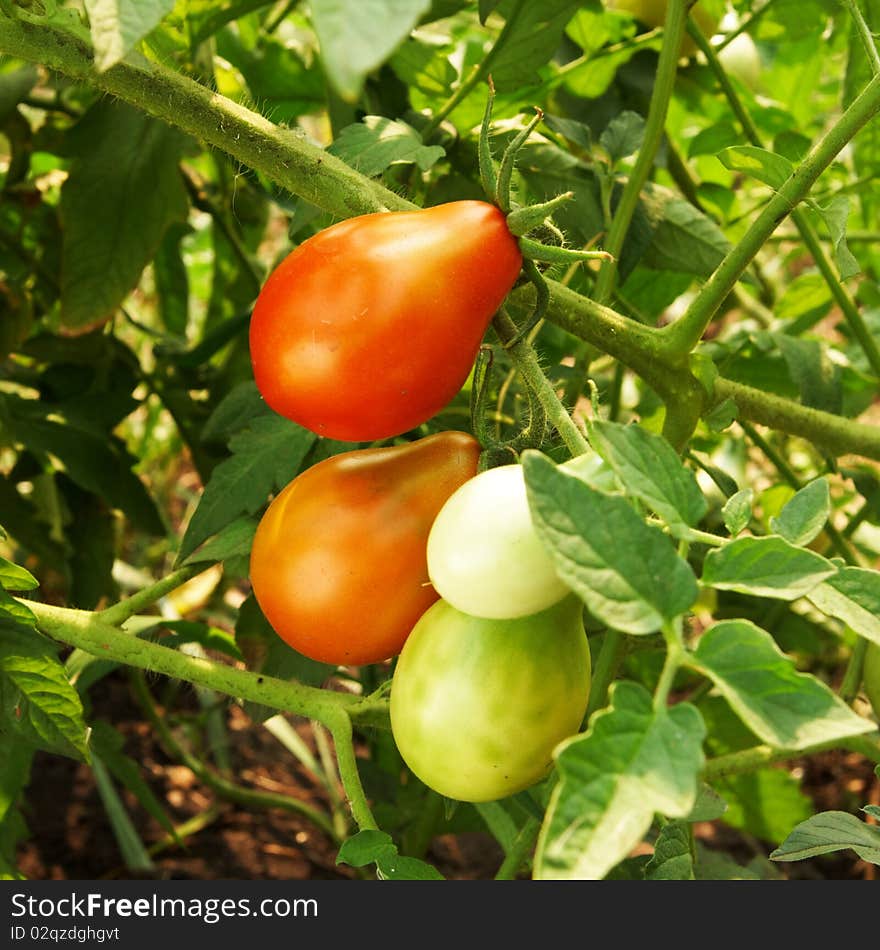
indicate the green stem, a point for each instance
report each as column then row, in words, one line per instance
column 519, row 851
column 684, row 334
column 118, row 613
column 866, row 36
column 808, row 234
column 664, row 81
column 224, row 788
column 852, row 678
column 605, row 670
column 757, row 757
column 675, row 655
column 835, row 434
column 88, row 632
column 343, row 740
column 476, row 75
column 529, row 368
column 282, row 154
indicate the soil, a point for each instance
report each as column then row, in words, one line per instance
column 71, row 837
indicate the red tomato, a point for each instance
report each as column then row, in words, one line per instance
column 339, row 562
column 371, row 326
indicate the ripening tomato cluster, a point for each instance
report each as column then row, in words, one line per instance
column 365, row 331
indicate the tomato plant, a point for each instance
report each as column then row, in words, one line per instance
column 371, row 326
column 871, row 677
column 478, row 705
column 338, row 561
column 484, row 556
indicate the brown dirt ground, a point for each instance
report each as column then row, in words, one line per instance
column 71, row 837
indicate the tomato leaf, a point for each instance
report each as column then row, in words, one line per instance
column 605, row 552
column 783, row 707
column 37, row 703
column 530, row 42
column 650, row 468
column 827, row 832
column 265, row 457
column 672, row 860
column 765, row 567
column 97, row 463
column 118, row 25
column 634, row 761
column 356, row 36
column 123, row 190
column 835, row 215
column 768, row 167
column 623, row 135
column 376, row 847
column 13, row 577
column 376, row 143
column 853, row 596
column 804, row 515
column 737, row 511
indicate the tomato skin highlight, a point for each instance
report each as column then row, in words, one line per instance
column 370, row 327
column 338, row 563
column 484, row 555
column 478, row 705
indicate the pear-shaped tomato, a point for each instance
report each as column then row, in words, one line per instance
column 371, row 326
column 338, row 563
column 478, row 705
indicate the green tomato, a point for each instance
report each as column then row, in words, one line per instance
column 740, row 58
column 478, row 705
column 484, row 556
column 871, row 677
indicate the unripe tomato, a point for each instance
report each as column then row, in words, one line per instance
column 478, row 705
column 484, row 556
column 741, row 58
column 871, row 677
column 371, row 326
column 653, row 14
column 338, row 561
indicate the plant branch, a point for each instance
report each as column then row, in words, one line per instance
column 836, row 434
column 684, row 334
column 750, row 760
column 664, row 81
column 283, row 154
column 808, row 234
column 88, row 632
column 118, row 613
column 480, row 71
column 866, row 36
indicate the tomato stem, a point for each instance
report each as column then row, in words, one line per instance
column 488, row 176
column 522, row 220
column 508, row 161
column 535, row 251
